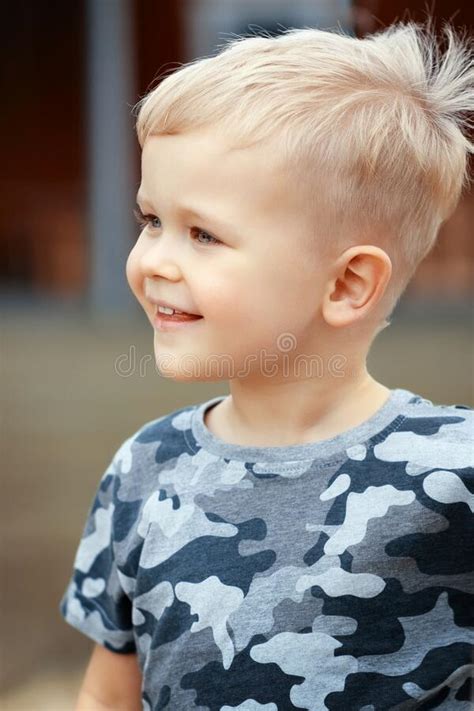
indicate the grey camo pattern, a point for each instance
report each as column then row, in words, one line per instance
column 257, row 586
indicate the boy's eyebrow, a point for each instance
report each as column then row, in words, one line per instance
column 221, row 226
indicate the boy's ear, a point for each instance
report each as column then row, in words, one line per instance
column 359, row 279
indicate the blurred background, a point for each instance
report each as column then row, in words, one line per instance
column 71, row 72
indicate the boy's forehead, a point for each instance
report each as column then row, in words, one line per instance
column 206, row 168
column 204, row 144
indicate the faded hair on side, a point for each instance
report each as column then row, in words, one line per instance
column 374, row 131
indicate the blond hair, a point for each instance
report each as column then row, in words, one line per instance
column 370, row 129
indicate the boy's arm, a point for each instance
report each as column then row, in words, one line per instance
column 112, row 682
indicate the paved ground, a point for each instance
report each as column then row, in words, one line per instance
column 67, row 410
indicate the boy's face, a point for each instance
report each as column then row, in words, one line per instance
column 257, row 284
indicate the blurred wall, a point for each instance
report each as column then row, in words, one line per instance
column 44, row 239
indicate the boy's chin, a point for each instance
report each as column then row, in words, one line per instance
column 188, row 370
column 184, row 377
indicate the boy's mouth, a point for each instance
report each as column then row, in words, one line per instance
column 177, row 316
column 165, row 322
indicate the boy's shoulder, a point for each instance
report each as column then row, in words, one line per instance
column 164, row 436
column 436, row 422
column 424, row 414
column 168, row 429
column 427, row 435
column 420, row 403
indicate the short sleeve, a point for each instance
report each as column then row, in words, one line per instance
column 95, row 602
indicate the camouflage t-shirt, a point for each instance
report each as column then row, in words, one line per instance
column 336, row 574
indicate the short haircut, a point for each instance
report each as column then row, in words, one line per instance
column 374, row 130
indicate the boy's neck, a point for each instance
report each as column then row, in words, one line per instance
column 295, row 413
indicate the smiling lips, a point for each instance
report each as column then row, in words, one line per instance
column 160, row 303
column 177, row 317
column 173, row 322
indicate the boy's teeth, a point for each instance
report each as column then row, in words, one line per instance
column 166, row 310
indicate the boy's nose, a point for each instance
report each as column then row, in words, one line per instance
column 161, row 260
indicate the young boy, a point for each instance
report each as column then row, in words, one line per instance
column 304, row 542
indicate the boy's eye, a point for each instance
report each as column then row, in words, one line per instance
column 144, row 220
column 148, row 220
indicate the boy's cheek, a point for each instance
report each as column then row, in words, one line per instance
column 133, row 274
column 129, row 271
